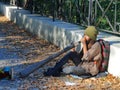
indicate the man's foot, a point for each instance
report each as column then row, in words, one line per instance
column 52, row 72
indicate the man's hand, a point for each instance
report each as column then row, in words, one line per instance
column 73, row 50
column 83, row 40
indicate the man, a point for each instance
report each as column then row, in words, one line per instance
column 87, row 61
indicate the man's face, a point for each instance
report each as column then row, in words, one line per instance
column 87, row 38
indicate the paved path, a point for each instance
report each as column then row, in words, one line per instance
column 7, row 58
column 17, row 49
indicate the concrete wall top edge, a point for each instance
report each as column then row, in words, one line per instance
column 57, row 23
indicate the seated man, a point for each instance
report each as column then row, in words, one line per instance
column 87, row 61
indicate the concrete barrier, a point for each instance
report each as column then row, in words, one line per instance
column 60, row 33
column 57, row 32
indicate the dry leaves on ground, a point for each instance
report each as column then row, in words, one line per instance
column 33, row 49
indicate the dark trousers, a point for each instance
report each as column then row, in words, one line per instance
column 74, row 56
column 55, row 71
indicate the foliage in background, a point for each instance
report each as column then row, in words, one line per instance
column 73, row 11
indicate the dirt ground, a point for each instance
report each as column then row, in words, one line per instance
column 33, row 49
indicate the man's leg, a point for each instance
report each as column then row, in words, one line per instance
column 55, row 71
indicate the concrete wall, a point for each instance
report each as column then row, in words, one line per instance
column 59, row 32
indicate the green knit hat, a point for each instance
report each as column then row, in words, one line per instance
column 91, row 32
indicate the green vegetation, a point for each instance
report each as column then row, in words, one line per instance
column 76, row 11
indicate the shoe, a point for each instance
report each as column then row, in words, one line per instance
column 52, row 72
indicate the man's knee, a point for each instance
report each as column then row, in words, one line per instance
column 72, row 54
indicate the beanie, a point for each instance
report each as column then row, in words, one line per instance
column 91, row 32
